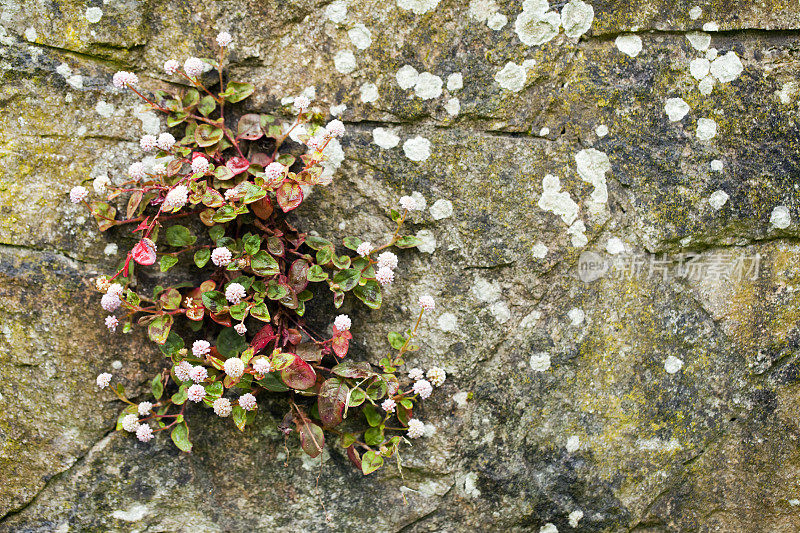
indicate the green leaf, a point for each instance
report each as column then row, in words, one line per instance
column 370, row 294
column 180, row 436
column 325, row 255
column 104, row 214
column 260, row 312
column 214, row 390
column 286, row 160
column 377, row 389
column 408, row 404
column 173, row 345
column 311, row 437
column 207, row 105
column 180, row 236
column 238, row 311
column 353, row 369
column 357, row 397
column 214, row 301
column 373, row 417
column 252, row 243
column 395, row 215
column 167, row 262
column 317, row 243
column 275, row 291
column 239, row 417
column 347, row 279
column 170, row 299
column 249, row 127
column 370, row 462
column 409, row 241
column 230, row 344
column 158, row 329
column 315, row 273
column 236, row 91
column 273, row 383
column 157, row 387
column 374, row 436
column 191, row 98
column 216, row 232
column 201, row 257
column 264, row 264
column 352, row 242
column 180, row 397
column 396, row 340
column 207, row 135
column 176, row 118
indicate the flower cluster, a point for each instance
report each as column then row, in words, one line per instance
column 217, row 199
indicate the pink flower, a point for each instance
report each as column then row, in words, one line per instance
column 196, row 393
column 235, row 292
column 364, row 249
column 262, row 366
column 335, row 128
column 183, row 370
column 198, row 374
column 408, row 203
column 171, row 66
column 387, row 259
column 234, row 367
column 388, row 405
column 224, row 38
column 200, row 165
column 144, row 433
column 193, row 67
column 103, row 380
column 301, row 103
column 165, row 141
column 147, row 142
column 416, row 374
column 274, row 171
column 130, row 423
column 221, row 256
column 436, row 376
column 416, row 428
column 136, row 171
column 144, row 408
column 110, row 302
column 111, row 323
column 201, row 348
column 247, row 402
column 78, row 194
column 124, row 79
column 424, row 388
column 426, row 302
column 222, row 407
column 342, row 322
column 176, row 198
column 384, row 276
column 240, row 328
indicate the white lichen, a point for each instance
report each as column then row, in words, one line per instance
column 576, row 18
column 418, row 7
column 455, row 81
column 369, row 93
column 557, row 201
column 672, row 364
column 780, row 217
column 512, row 77
column 360, row 36
column 676, row 109
column 540, row 361
column 718, row 199
column 428, row 86
column 344, row 61
column 629, row 44
column 453, row 107
column 441, row 208
column 417, row 148
column 699, row 40
column 407, row 77
column 385, row 138
column 706, row 129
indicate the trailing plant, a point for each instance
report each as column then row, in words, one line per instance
column 235, row 334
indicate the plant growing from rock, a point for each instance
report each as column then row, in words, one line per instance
column 244, row 337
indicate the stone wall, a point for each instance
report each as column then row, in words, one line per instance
column 661, row 396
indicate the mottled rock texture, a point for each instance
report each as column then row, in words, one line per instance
column 614, row 426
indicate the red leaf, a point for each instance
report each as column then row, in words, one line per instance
column 262, row 208
column 289, row 195
column 299, row 375
column 261, row 159
column 352, row 454
column 221, row 318
column 237, row 165
column 142, row 225
column 341, row 342
column 262, row 338
column 298, row 275
column 332, row 399
column 311, row 437
column 144, row 252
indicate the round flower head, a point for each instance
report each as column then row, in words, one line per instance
column 247, row 402
column 335, row 128
column 144, row 433
column 176, row 198
column 136, row 171
column 364, row 249
column 274, row 171
column 171, row 66
column 436, row 376
column 124, row 79
column 198, row 374
column 130, row 423
column 196, row 393
column 222, row 407
column 388, row 405
column 103, row 380
column 387, row 259
column 234, row 367
column 240, row 328
column 147, row 142
column 111, row 323
column 183, row 370
column 407, row 202
column 201, row 348
column 342, row 322
column 78, row 194
column 224, row 38
column 165, row 141
column 200, row 165
column 416, row 428
column 424, row 388
column 262, row 366
column 221, row 256
column 144, row 408
column 110, row 302
column 100, row 184
column 416, row 374
column 115, row 288
column 102, row 283
column 193, row 67
column 302, row 102
column 384, row 276
column 315, row 143
column 426, row 302
column 234, row 293
column 159, row 169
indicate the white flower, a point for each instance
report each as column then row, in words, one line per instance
column 335, row 128
column 416, row 374
column 384, row 276
column 274, row 171
column 130, row 423
column 240, row 328
column 196, row 393
column 302, row 102
column 200, row 165
column 165, row 141
column 144, row 433
column 110, row 302
column 364, row 249
column 342, row 322
column 159, row 169
column 201, row 348
column 222, row 407
column 387, row 259
column 78, row 194
column 111, row 323
column 198, row 374
column 388, row 405
column 100, row 184
column 115, row 289
column 262, row 366
column 234, row 367
column 103, row 380
column 144, row 408
column 234, row 293
column 315, row 143
column 221, row 256
column 136, row 171
column 426, row 302
column 123, row 79
column 183, row 370
column 436, row 376
column 424, row 388
column 409, row 203
column 148, row 142
column 193, row 67
column 171, row 66
column 416, row 428
column 224, row 38
column 247, row 402
column 177, row 197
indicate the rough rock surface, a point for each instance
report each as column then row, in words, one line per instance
column 649, row 401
